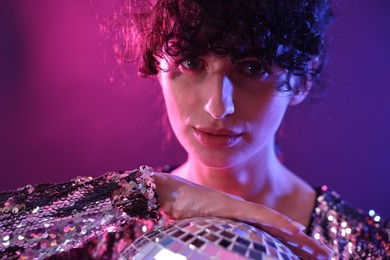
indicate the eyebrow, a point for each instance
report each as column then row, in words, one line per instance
column 235, row 60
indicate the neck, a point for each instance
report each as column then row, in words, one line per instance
column 262, row 179
column 259, row 179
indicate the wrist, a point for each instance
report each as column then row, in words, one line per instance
column 227, row 206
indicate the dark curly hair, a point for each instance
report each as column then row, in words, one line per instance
column 285, row 33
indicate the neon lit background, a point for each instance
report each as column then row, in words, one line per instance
column 61, row 116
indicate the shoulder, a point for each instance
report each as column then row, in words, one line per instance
column 349, row 231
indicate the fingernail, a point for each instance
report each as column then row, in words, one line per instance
column 308, row 249
column 330, row 251
column 329, row 256
column 322, row 257
column 292, row 244
column 288, row 231
column 298, row 225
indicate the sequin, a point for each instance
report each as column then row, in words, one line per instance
column 72, row 213
column 144, row 228
column 86, row 208
column 349, row 232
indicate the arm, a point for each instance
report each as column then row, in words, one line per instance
column 182, row 199
column 49, row 219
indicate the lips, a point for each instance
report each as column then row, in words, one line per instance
column 216, row 137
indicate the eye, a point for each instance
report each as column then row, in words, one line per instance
column 192, row 64
column 252, row 68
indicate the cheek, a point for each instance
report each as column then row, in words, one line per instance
column 172, row 103
column 263, row 114
column 178, row 102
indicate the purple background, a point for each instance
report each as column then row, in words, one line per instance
column 65, row 109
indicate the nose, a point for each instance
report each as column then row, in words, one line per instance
column 220, row 100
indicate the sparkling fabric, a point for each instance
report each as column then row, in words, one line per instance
column 45, row 220
column 348, row 231
column 90, row 218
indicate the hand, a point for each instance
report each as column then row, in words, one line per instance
column 180, row 198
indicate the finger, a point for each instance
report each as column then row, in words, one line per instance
column 301, row 244
column 289, row 232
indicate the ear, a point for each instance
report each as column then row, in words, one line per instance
column 300, row 92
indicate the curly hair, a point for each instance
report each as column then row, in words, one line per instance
column 286, row 33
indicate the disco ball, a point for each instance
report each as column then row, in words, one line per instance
column 207, row 238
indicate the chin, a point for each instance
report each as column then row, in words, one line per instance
column 219, row 161
column 217, row 158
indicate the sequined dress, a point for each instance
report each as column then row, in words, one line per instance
column 96, row 218
column 347, row 230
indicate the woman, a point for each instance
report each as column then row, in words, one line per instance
column 228, row 72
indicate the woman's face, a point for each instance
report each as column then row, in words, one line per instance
column 224, row 113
